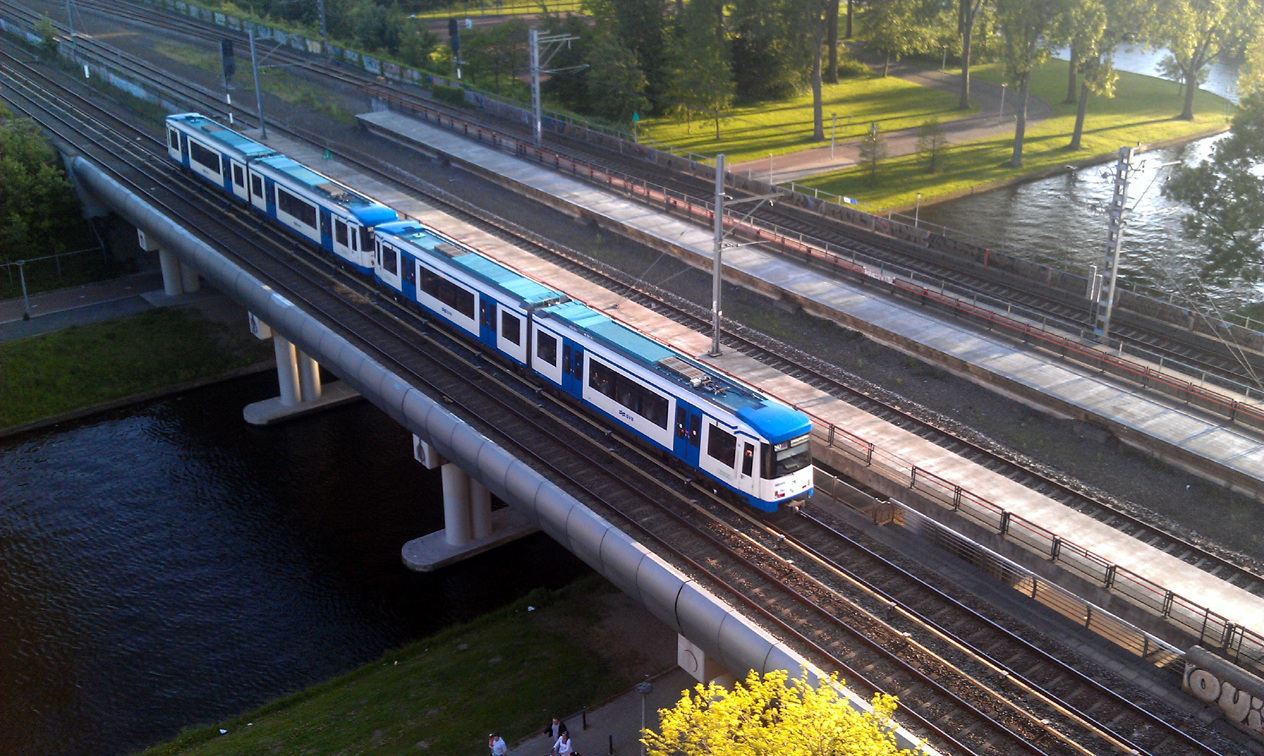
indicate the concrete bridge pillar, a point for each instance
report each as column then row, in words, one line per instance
column 691, row 658
column 298, row 377
column 287, row 369
column 308, row 378
column 172, row 283
column 469, row 525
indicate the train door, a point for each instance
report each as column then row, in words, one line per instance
column 326, row 228
column 694, row 442
column 257, row 197
column 184, row 149
column 577, row 371
column 388, row 266
column 680, row 440
column 173, row 146
column 269, row 191
column 486, row 320
column 238, row 171
column 747, row 470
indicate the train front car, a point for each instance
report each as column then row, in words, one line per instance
column 751, row 446
column 785, row 456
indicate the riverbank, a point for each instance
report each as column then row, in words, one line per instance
column 84, row 368
column 1142, row 112
column 508, row 671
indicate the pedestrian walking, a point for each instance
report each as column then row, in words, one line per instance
column 555, row 730
column 497, row 744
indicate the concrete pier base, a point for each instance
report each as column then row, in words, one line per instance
column 189, row 279
column 298, row 377
column 469, row 525
column 431, row 552
column 273, row 411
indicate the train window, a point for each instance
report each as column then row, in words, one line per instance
column 340, row 232
column 239, row 176
column 566, row 358
column 225, row 169
column 721, row 446
column 256, row 186
column 485, row 312
column 457, row 297
column 388, row 260
column 510, row 328
column 175, row 139
column 324, row 222
column 629, row 393
column 787, row 457
column 681, row 428
column 296, row 208
column 204, row 157
column 546, row 347
column 748, row 459
column 695, row 430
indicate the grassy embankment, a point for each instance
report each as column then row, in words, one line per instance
column 290, row 89
column 83, row 366
column 752, row 132
column 506, row 671
column 1143, row 110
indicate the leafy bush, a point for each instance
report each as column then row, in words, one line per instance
column 451, row 95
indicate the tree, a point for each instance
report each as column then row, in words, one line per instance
column 700, row 78
column 872, row 150
column 616, row 86
column 967, row 13
column 932, row 143
column 1196, row 31
column 765, row 714
column 831, row 33
column 48, row 37
column 894, row 28
column 35, row 197
column 1096, row 28
column 1226, row 196
column 771, row 60
column 1026, row 26
column 500, row 50
column 640, row 27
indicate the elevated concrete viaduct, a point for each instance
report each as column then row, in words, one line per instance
column 706, row 625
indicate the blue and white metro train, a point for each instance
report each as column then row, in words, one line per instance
column 746, row 442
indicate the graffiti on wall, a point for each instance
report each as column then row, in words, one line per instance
column 1238, row 694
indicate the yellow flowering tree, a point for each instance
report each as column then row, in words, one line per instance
column 769, row 716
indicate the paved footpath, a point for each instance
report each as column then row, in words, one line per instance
column 987, row 122
column 617, row 721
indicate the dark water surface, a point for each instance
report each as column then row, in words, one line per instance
column 169, row 565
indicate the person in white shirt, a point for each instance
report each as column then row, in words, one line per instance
column 563, row 746
column 497, row 744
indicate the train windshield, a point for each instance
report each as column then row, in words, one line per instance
column 789, row 456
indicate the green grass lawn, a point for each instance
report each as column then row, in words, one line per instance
column 441, row 695
column 751, row 132
column 1143, row 110
column 86, row 365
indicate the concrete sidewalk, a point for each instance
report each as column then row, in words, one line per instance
column 616, row 722
column 989, row 121
column 93, row 303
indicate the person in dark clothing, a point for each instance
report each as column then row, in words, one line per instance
column 555, row 729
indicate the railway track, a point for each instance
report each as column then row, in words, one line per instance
column 965, row 280
column 945, row 702
column 1236, row 569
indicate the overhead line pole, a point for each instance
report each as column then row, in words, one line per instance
column 254, row 66
column 716, row 249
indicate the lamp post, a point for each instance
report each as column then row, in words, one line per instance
column 770, row 168
column 944, row 63
column 644, row 688
column 26, row 303
column 833, row 129
column 1001, row 115
column 917, row 211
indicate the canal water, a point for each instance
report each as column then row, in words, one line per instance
column 168, row 565
column 1062, row 220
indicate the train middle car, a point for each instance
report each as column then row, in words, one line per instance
column 307, row 203
column 747, row 443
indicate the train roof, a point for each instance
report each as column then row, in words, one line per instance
column 530, row 292
column 367, row 211
column 773, row 420
column 248, row 148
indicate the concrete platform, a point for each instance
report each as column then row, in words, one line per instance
column 897, row 448
column 272, row 411
column 431, row 552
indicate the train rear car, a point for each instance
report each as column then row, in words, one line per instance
column 213, row 152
